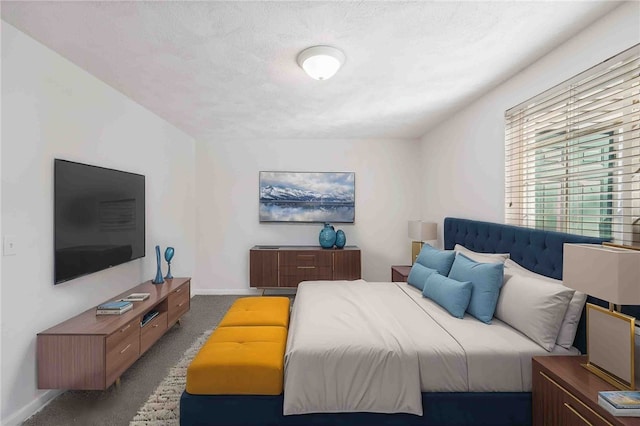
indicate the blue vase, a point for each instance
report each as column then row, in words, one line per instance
column 327, row 236
column 158, row 279
column 168, row 255
column 341, row 238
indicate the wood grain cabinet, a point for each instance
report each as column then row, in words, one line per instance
column 90, row 352
column 566, row 394
column 287, row 266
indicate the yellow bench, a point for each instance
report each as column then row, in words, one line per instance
column 258, row 311
column 245, row 354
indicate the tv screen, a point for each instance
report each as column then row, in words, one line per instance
column 307, row 197
column 99, row 218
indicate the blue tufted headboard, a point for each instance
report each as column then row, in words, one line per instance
column 537, row 250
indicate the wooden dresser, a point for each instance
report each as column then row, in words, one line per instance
column 566, row 394
column 90, row 352
column 287, row 266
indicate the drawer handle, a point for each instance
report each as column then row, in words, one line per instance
column 155, row 325
column 125, row 328
column 306, row 267
column 181, row 304
column 123, row 351
column 578, row 414
column 178, row 290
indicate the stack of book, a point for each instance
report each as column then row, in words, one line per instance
column 114, row 308
column 620, row 403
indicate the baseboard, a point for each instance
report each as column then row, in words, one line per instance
column 226, row 291
column 31, row 408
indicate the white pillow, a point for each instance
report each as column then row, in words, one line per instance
column 534, row 307
column 571, row 319
column 482, row 257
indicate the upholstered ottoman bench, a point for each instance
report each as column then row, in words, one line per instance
column 247, row 360
column 272, row 311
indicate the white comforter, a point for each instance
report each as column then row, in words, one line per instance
column 356, row 346
column 348, row 350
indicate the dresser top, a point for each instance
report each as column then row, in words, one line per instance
column 300, row 248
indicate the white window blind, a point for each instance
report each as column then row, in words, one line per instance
column 572, row 154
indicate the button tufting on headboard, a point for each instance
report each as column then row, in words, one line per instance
column 537, row 250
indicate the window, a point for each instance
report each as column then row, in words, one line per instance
column 572, row 154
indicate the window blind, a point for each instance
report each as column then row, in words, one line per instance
column 572, row 154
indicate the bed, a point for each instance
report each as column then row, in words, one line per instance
column 455, row 392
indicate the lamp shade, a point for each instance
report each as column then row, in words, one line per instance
column 422, row 231
column 321, row 62
column 608, row 273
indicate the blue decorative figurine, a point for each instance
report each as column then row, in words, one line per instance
column 341, row 239
column 158, row 279
column 327, row 236
column 168, row 255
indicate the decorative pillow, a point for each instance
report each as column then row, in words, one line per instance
column 452, row 295
column 440, row 260
column 569, row 325
column 482, row 257
column 533, row 306
column 419, row 274
column 486, row 279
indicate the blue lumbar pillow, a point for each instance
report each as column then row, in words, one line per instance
column 486, row 279
column 419, row 274
column 439, row 260
column 452, row 295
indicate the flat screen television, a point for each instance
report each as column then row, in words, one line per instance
column 99, row 218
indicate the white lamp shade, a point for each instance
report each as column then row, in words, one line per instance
column 321, row 62
column 608, row 273
column 422, row 231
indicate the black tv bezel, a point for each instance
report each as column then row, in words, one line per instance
column 57, row 161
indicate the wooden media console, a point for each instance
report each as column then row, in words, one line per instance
column 90, row 352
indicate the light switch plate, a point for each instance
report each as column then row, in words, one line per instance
column 9, row 245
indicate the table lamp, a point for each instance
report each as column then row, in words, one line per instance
column 419, row 232
column 613, row 275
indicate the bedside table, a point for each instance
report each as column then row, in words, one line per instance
column 565, row 393
column 399, row 273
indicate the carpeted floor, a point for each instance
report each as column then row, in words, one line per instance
column 118, row 405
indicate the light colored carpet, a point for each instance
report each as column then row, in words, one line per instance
column 163, row 406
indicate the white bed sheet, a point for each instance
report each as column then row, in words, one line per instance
column 357, row 346
column 498, row 357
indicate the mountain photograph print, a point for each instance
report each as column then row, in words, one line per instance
column 307, row 197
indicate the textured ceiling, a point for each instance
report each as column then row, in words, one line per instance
column 228, row 69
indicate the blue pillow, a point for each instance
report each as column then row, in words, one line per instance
column 433, row 258
column 419, row 274
column 486, row 279
column 452, row 295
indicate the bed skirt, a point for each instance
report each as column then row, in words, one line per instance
column 440, row 409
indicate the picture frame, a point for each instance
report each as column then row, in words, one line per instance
column 307, row 197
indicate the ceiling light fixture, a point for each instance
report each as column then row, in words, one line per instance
column 321, row 62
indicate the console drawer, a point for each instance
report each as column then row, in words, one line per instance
column 152, row 331
column 179, row 302
column 122, row 349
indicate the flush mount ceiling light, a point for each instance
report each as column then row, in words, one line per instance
column 321, row 62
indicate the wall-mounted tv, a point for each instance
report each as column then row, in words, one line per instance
column 307, row 197
column 99, row 218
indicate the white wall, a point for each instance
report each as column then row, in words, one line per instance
column 52, row 109
column 386, row 172
column 463, row 158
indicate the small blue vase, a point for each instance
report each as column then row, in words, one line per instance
column 327, row 236
column 341, row 238
column 168, row 255
column 158, row 279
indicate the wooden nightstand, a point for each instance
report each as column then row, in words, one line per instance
column 565, row 394
column 399, row 273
